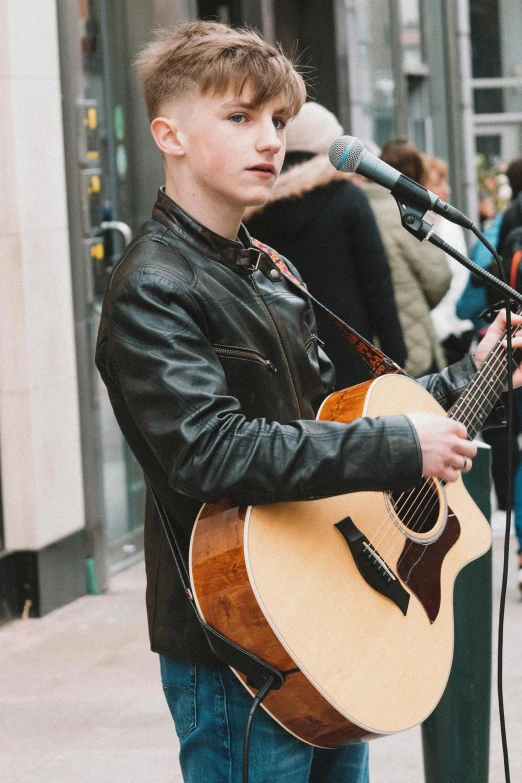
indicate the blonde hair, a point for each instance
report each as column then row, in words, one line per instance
column 213, row 57
column 437, row 165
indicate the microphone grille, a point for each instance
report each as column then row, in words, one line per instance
column 338, row 151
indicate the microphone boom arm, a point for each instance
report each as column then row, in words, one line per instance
column 412, row 218
column 488, row 278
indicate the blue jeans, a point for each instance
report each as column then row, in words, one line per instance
column 210, row 706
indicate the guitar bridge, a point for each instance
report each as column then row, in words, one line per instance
column 376, row 559
column 371, row 566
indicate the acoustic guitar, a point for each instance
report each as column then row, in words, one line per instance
column 351, row 596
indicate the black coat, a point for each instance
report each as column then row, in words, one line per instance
column 331, row 236
column 512, row 218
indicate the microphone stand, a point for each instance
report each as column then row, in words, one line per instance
column 412, row 218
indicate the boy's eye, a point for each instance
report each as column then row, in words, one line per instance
column 237, row 118
column 279, row 124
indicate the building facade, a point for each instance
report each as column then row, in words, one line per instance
column 80, row 174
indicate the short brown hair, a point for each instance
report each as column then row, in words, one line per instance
column 404, row 157
column 212, row 57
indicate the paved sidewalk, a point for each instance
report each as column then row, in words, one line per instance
column 81, row 700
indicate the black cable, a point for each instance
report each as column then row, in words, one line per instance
column 509, row 500
column 262, row 692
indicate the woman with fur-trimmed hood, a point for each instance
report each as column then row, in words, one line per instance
column 420, row 272
column 322, row 222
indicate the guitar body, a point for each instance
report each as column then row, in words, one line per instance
column 352, row 595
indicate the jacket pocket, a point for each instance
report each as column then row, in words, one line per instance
column 251, row 378
column 244, row 354
column 311, row 342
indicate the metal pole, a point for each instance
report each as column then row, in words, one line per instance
column 466, row 111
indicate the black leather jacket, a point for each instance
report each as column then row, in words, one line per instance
column 215, row 377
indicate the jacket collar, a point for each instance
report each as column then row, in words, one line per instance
column 228, row 251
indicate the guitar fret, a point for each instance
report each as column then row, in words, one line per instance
column 474, row 405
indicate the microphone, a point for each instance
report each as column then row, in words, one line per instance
column 348, row 154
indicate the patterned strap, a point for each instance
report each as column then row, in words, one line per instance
column 378, row 362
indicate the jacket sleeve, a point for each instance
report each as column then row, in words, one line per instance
column 374, row 277
column 175, row 389
column 446, row 386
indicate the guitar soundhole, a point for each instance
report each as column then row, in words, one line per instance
column 418, row 509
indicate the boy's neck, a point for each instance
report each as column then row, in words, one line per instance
column 219, row 218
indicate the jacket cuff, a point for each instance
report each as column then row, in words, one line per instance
column 447, row 385
column 405, row 455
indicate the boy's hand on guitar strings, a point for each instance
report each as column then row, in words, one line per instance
column 494, row 333
column 446, row 452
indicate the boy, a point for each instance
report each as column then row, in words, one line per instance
column 208, row 372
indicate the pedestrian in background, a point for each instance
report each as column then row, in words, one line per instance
column 323, row 222
column 420, row 273
column 454, row 334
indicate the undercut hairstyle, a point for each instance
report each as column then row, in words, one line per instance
column 404, row 157
column 212, row 58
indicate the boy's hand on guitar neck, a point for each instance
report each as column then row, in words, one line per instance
column 446, row 452
column 494, row 333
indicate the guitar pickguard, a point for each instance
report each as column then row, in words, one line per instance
column 419, row 566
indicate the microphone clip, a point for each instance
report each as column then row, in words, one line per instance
column 412, row 219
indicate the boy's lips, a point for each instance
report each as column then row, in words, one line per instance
column 263, row 169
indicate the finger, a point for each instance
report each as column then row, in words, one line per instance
column 500, row 320
column 460, row 430
column 468, row 464
column 516, row 342
column 450, row 474
column 464, row 448
column 459, row 463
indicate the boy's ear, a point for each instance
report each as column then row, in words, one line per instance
column 167, row 136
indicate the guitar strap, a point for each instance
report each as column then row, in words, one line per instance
column 256, row 670
column 377, row 361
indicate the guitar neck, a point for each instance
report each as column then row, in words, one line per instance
column 475, row 404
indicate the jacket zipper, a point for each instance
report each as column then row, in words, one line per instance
column 313, row 339
column 247, row 354
column 276, row 330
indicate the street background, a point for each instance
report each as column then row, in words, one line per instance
column 80, row 697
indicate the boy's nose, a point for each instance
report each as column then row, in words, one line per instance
column 268, row 139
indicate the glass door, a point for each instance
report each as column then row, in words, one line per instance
column 110, row 221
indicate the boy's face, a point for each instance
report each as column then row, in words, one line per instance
column 231, row 151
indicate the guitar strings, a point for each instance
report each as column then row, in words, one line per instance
column 466, row 404
column 494, row 360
